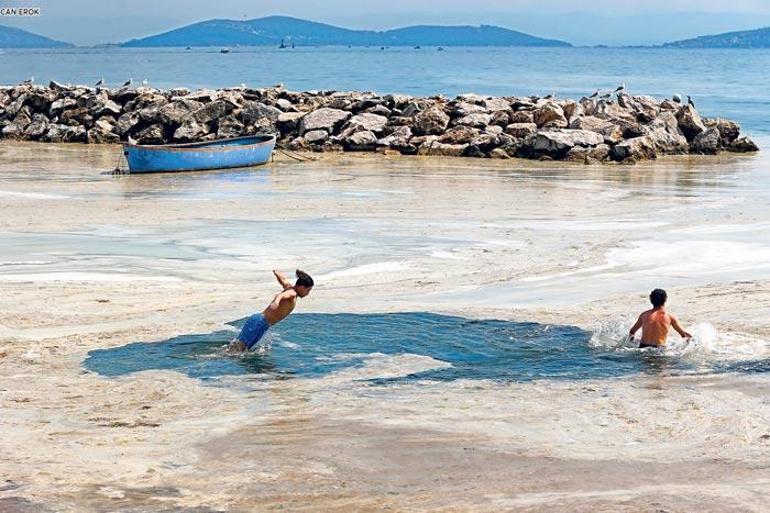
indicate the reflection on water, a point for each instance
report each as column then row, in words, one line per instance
column 314, row 345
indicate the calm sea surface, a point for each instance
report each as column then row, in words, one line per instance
column 728, row 83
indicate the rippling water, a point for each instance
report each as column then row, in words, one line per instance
column 395, row 346
column 728, row 83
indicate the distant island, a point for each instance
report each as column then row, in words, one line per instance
column 759, row 38
column 273, row 30
column 11, row 37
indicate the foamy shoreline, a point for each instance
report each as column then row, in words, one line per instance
column 77, row 441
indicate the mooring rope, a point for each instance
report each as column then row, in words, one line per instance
column 295, row 156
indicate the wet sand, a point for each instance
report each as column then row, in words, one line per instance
column 90, row 260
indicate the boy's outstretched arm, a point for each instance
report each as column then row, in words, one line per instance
column 282, row 280
column 678, row 327
column 635, row 327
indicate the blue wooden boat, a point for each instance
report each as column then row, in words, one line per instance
column 247, row 151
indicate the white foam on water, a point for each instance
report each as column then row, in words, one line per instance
column 383, row 366
column 81, row 277
column 32, row 195
column 706, row 346
column 364, row 269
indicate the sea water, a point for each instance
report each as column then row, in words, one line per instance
column 727, row 83
column 429, row 346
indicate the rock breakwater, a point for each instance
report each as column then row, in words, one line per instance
column 623, row 128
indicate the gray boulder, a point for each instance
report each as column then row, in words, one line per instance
column 230, row 126
column 323, row 119
column 176, row 112
column 126, row 122
column 153, row 134
column 60, row 105
column 707, row 143
column 476, row 119
column 549, row 115
column 690, row 122
column 37, row 127
column 522, row 116
column 556, row 143
column 253, row 112
column 365, row 122
column 521, row 130
column 637, row 148
column 213, row 111
column 458, row 135
column 189, row 130
column 743, row 145
column 360, row 141
column 316, row 136
column 431, row 121
column 441, row 149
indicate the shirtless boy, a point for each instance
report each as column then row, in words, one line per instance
column 655, row 323
column 282, row 305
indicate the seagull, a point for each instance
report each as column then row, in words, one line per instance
column 30, row 80
column 128, row 82
column 690, row 102
column 243, row 86
column 621, row 87
column 99, row 83
column 549, row 96
column 596, row 93
column 606, row 96
column 677, row 98
column 144, row 82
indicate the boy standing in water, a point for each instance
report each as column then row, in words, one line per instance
column 655, row 323
column 282, row 305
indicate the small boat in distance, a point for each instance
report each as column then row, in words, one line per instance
column 251, row 150
column 224, row 50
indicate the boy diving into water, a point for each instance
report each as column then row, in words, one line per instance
column 282, row 305
column 655, row 323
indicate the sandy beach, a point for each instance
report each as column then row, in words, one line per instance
column 90, row 260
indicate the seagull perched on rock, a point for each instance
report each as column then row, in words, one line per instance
column 144, row 82
column 606, row 96
column 596, row 93
column 690, row 102
column 30, row 80
column 549, row 96
column 621, row 87
column 99, row 83
column 128, row 82
column 677, row 98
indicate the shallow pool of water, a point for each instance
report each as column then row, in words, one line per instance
column 445, row 347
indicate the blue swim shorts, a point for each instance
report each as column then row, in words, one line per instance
column 255, row 328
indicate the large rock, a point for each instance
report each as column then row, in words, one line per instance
column 360, row 141
column 496, row 104
column 189, row 130
column 213, row 111
column 178, row 111
column 126, row 122
column 690, row 122
column 743, row 145
column 288, row 122
column 37, row 127
column 556, row 143
column 476, row 119
column 707, row 143
column 522, row 116
column 98, row 135
column 441, row 149
column 60, row 105
column 431, row 121
column 462, row 108
column 549, row 115
column 611, row 131
column 253, row 112
column 153, row 134
column 398, row 139
column 521, row 130
column 638, row 148
column 323, row 119
column 316, row 136
column 229, row 126
column 365, row 122
column 728, row 130
column 458, row 135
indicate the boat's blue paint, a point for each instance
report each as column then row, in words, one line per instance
column 224, row 153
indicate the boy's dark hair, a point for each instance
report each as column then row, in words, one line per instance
column 303, row 279
column 658, row 297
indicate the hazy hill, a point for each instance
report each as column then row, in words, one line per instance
column 759, row 38
column 272, row 29
column 11, row 37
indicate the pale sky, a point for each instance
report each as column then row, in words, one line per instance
column 614, row 22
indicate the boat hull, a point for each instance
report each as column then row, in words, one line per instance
column 224, row 153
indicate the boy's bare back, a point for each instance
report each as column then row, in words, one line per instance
column 657, row 322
